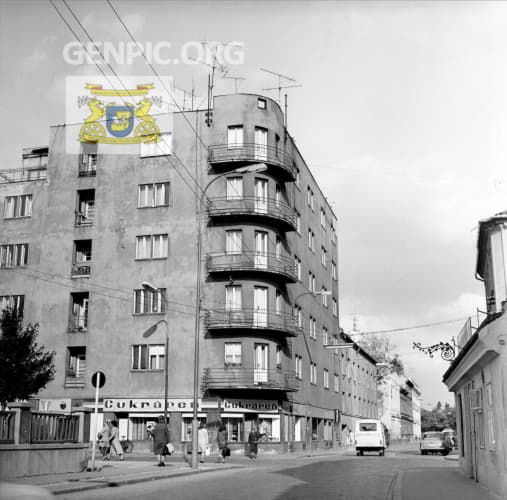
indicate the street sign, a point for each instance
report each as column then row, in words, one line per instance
column 98, row 378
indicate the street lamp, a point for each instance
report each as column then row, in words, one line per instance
column 258, row 167
column 152, row 329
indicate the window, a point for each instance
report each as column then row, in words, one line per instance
column 324, row 296
column 233, row 297
column 333, row 230
column 311, row 282
column 149, row 302
column 85, row 211
column 15, row 301
column 82, row 251
column 298, row 368
column 278, row 248
column 313, row 373
column 76, row 362
column 154, row 246
column 313, row 328
column 235, row 136
column 16, row 207
column 162, row 147
column 298, row 222
column 298, row 316
column 490, row 418
column 325, row 336
column 232, row 353
column 79, row 311
column 323, row 218
column 298, row 267
column 233, row 241
column 148, row 357
column 335, row 307
column 310, row 197
column 15, row 255
column 88, row 160
column 278, row 302
column 278, row 195
column 153, row 195
column 336, row 383
column 311, row 240
column 278, row 358
column 334, row 273
column 234, row 188
column 261, row 103
column 326, row 378
column 298, row 179
column 323, row 256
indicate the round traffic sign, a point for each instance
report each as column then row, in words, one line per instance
column 98, row 378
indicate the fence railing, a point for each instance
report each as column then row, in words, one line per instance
column 23, row 175
column 85, row 218
column 54, row 428
column 7, row 427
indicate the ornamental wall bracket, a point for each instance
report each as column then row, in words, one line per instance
column 448, row 351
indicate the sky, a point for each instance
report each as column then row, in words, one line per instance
column 401, row 116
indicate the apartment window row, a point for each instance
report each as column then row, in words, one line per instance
column 154, row 246
column 149, row 302
column 15, row 255
column 148, row 357
column 16, row 207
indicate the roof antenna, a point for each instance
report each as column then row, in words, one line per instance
column 280, row 86
column 235, row 78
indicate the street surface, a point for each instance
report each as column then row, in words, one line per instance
column 400, row 475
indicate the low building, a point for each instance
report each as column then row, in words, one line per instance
column 478, row 375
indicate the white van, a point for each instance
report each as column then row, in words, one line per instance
column 370, row 436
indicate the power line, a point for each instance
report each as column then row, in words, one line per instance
column 425, row 325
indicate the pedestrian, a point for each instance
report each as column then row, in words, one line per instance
column 253, row 440
column 202, row 440
column 115, row 439
column 161, row 438
column 104, row 437
column 222, row 443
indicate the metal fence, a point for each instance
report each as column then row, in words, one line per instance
column 7, row 427
column 54, row 428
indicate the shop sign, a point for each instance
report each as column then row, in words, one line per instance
column 147, row 404
column 250, row 405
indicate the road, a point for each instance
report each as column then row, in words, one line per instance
column 397, row 476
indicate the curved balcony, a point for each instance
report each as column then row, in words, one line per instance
column 252, row 262
column 249, row 319
column 235, row 377
column 224, row 155
column 268, row 209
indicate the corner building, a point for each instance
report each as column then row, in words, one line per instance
column 81, row 233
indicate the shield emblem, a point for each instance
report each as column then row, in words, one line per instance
column 120, row 120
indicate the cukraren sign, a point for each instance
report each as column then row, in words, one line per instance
column 250, row 405
column 140, row 404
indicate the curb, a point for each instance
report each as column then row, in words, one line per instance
column 111, row 482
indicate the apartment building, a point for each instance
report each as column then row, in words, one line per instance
column 81, row 236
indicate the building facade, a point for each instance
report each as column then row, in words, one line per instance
column 83, row 235
column 478, row 375
column 399, row 401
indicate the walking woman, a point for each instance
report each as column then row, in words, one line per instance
column 222, row 443
column 161, row 437
column 253, row 440
column 202, row 440
column 115, row 439
column 104, row 437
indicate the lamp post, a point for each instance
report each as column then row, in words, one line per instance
column 259, row 167
column 152, row 329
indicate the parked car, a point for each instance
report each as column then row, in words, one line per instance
column 435, row 442
column 370, row 436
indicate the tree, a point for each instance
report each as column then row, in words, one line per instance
column 382, row 349
column 25, row 368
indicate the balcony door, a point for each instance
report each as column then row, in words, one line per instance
column 261, row 144
column 261, row 363
column 260, row 306
column 261, row 249
column 261, row 195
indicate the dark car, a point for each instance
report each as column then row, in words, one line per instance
column 435, row 442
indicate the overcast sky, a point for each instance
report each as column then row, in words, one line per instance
column 401, row 117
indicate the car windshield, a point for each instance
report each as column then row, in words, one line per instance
column 367, row 426
column 432, row 435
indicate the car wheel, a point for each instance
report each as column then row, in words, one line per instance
column 381, row 452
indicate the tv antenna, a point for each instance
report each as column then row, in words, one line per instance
column 280, row 86
column 236, row 79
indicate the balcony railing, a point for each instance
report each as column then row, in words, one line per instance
column 87, row 170
column 252, row 262
column 80, row 270
column 23, row 175
column 74, row 382
column 54, row 428
column 235, row 377
column 85, row 218
column 252, row 206
column 250, row 153
column 258, row 319
column 78, row 323
column 7, row 427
